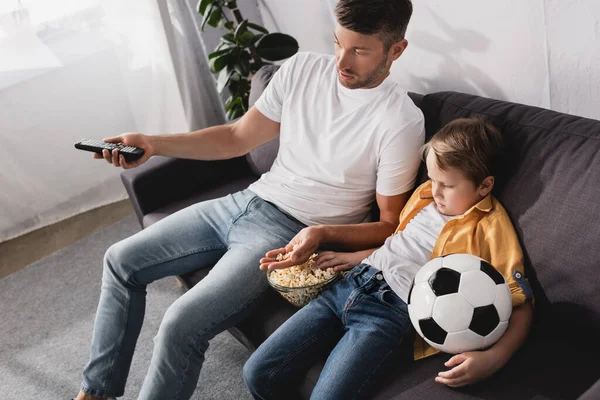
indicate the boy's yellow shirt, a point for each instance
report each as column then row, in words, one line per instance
column 486, row 231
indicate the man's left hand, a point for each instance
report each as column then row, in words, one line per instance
column 469, row 368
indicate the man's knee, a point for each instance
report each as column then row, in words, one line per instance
column 179, row 329
column 117, row 263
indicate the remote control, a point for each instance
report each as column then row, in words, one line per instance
column 129, row 152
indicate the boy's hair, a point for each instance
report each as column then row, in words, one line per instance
column 471, row 145
column 387, row 18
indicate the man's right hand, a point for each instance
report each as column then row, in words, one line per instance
column 129, row 139
column 298, row 251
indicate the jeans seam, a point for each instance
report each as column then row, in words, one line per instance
column 171, row 258
column 355, row 298
column 108, row 381
column 397, row 310
column 275, row 371
column 118, row 352
column 356, row 396
column 194, row 342
column 88, row 390
column 236, row 219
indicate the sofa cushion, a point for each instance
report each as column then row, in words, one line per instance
column 540, row 370
column 593, row 393
column 223, row 189
column 550, row 185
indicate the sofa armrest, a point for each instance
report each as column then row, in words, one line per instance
column 163, row 180
column 593, row 393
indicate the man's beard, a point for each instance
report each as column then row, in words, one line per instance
column 370, row 79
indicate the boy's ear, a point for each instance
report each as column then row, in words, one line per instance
column 486, row 186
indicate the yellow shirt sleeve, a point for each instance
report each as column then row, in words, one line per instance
column 499, row 244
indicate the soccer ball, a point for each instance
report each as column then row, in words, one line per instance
column 459, row 303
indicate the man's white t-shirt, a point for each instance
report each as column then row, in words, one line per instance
column 337, row 145
column 404, row 253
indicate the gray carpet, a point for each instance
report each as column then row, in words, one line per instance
column 47, row 313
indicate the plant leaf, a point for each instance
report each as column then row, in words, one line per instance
column 218, row 63
column 202, row 5
column 206, row 16
column 235, row 101
column 276, row 46
column 224, row 77
column 233, row 87
column 241, row 28
column 245, row 39
column 228, row 38
column 256, row 38
column 242, row 67
column 215, row 17
column 235, row 112
column 229, row 25
column 218, row 53
column 257, row 27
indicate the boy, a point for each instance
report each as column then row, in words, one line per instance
column 363, row 318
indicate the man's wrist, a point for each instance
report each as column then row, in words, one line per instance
column 321, row 233
column 154, row 142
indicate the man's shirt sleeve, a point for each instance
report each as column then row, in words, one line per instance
column 400, row 159
column 270, row 102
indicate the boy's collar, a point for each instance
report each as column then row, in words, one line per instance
column 484, row 204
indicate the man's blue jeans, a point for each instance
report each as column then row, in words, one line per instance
column 359, row 322
column 234, row 232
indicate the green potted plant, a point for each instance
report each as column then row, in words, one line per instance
column 241, row 51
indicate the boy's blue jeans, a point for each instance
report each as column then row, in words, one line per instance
column 234, row 232
column 360, row 320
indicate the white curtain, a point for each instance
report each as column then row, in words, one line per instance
column 73, row 69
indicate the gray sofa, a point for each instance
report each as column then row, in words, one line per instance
column 550, row 185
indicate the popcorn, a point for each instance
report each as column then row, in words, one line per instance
column 300, row 284
column 300, row 275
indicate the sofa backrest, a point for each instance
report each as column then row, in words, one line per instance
column 261, row 158
column 550, row 185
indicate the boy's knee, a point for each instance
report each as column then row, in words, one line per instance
column 255, row 380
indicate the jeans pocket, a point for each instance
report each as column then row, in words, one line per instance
column 391, row 300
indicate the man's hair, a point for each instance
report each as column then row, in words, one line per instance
column 387, row 18
column 471, row 145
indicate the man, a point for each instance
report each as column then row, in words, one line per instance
column 348, row 136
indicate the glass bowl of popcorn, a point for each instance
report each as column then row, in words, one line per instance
column 300, row 284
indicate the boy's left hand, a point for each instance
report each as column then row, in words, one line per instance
column 468, row 368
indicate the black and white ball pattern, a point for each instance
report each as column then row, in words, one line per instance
column 459, row 303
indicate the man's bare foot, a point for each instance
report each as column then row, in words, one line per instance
column 85, row 396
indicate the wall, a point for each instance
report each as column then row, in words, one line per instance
column 537, row 52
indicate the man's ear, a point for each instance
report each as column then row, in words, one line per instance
column 486, row 186
column 397, row 49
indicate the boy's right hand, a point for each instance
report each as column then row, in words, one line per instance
column 129, row 139
column 337, row 261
